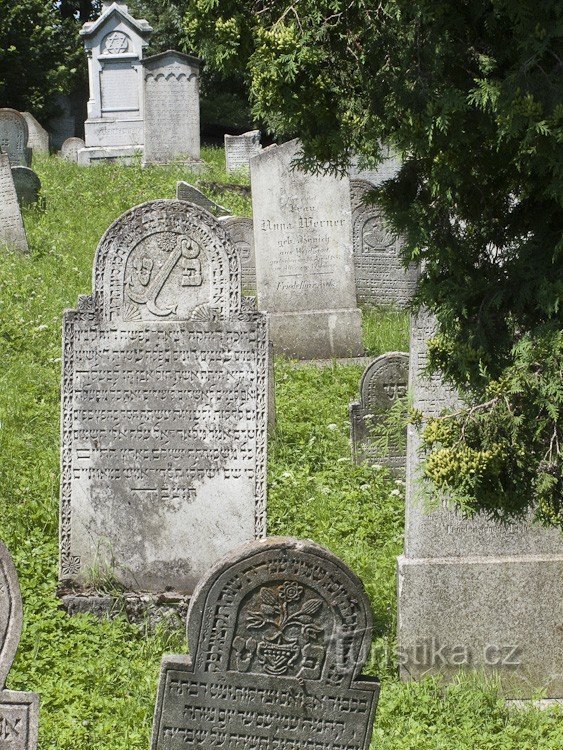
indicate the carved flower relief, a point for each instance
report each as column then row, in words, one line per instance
column 281, row 632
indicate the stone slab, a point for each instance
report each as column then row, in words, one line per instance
column 14, row 135
column 241, row 232
column 71, row 148
column 385, row 170
column 187, row 192
column 119, row 154
column 12, row 231
column 27, row 184
column 38, row 139
column 304, row 260
column 62, row 125
column 384, row 381
column 278, row 632
column 164, row 405
column 239, row 149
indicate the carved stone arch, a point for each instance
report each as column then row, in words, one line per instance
column 392, row 365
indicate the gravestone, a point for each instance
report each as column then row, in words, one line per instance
column 381, row 278
column 278, row 632
column 474, row 594
column 164, row 405
column 239, row 149
column 13, row 137
column 27, row 184
column 241, row 232
column 385, row 170
column 304, row 259
column 12, row 232
column 187, row 192
column 61, row 125
column 171, row 108
column 71, row 148
column 38, row 139
column 384, row 381
column 19, row 712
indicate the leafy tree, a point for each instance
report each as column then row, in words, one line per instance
column 469, row 93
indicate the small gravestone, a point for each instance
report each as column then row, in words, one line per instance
column 381, row 279
column 171, row 108
column 241, row 232
column 62, row 124
column 239, row 149
column 27, row 184
column 12, row 232
column 70, row 149
column 13, row 137
column 164, row 405
column 19, row 712
column 384, row 381
column 187, row 192
column 38, row 139
column 278, row 633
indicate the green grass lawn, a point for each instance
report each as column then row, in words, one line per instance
column 97, row 680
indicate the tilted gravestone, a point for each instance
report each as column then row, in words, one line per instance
column 187, row 192
column 304, row 259
column 171, row 108
column 14, row 134
column 164, row 405
column 278, row 632
column 12, row 231
column 241, row 232
column 71, row 147
column 384, row 381
column 239, row 149
column 19, row 712
column 38, row 139
column 27, row 184
column 381, row 278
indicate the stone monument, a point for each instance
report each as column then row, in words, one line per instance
column 474, row 594
column 114, row 44
column 381, row 278
column 71, row 148
column 19, row 712
column 239, row 149
column 385, row 170
column 38, row 139
column 13, row 137
column 164, row 405
column 384, row 381
column 171, row 108
column 12, row 232
column 63, row 124
column 278, row 633
column 187, row 192
column 27, row 184
column 304, row 260
column 241, row 232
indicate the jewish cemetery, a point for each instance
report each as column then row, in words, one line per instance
column 281, row 394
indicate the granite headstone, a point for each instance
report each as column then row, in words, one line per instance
column 12, row 231
column 38, row 139
column 71, row 148
column 304, row 260
column 384, row 381
column 241, row 232
column 14, row 134
column 164, row 405
column 187, row 192
column 19, row 712
column 239, row 149
column 278, row 634
column 27, row 184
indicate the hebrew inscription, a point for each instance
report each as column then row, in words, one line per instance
column 241, row 233
column 14, row 134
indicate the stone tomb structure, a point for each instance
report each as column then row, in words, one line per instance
column 384, row 381
column 38, row 139
column 12, row 231
column 304, row 260
column 381, row 278
column 187, row 192
column 171, row 95
column 241, row 232
column 14, row 134
column 164, row 405
column 474, row 594
column 239, row 149
column 19, row 712
column 27, row 184
column 278, row 633
column 71, row 148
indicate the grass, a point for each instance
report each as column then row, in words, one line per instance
column 97, row 680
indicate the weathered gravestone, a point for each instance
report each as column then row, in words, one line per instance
column 12, row 232
column 27, row 184
column 384, row 381
column 187, row 192
column 474, row 594
column 165, row 405
column 385, row 170
column 171, row 108
column 241, row 232
column 381, row 278
column 19, row 712
column 304, row 259
column 239, row 149
column 38, row 139
column 62, row 124
column 278, row 633
column 71, row 148
column 13, row 137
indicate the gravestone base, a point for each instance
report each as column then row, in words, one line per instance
column 497, row 615
column 121, row 154
column 317, row 334
column 19, row 720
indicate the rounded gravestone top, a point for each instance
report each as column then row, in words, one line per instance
column 27, row 184
column 385, row 380
column 71, row 147
column 14, row 134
